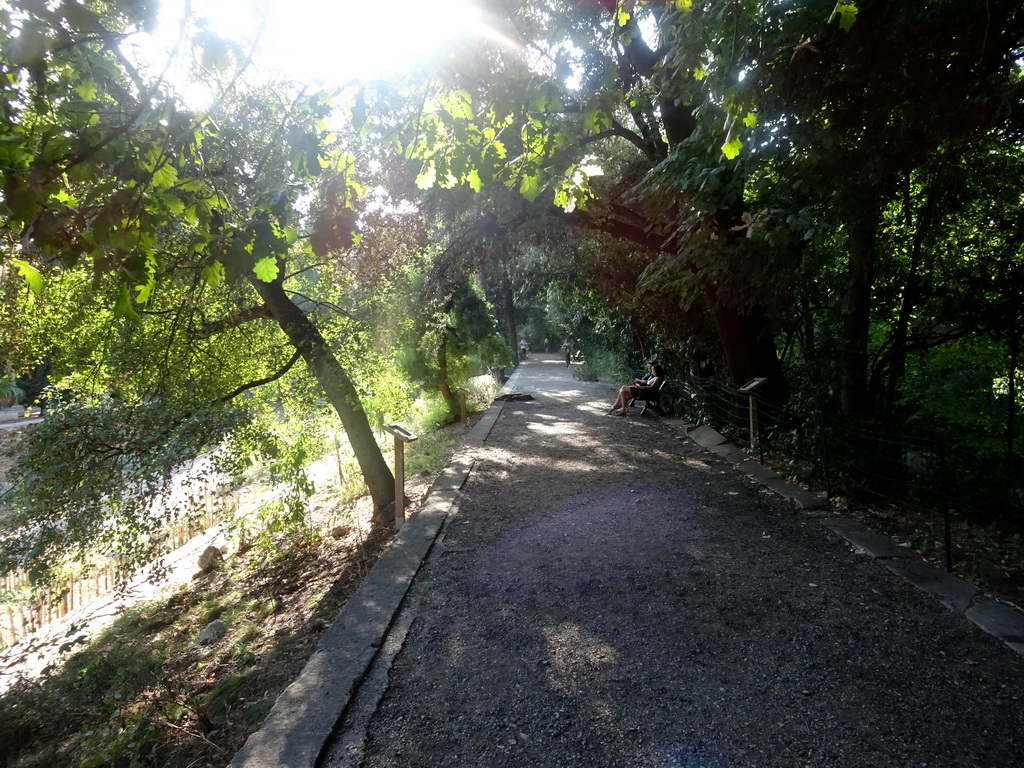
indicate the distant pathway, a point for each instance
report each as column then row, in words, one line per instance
column 608, row 593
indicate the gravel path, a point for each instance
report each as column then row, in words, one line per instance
column 610, row 594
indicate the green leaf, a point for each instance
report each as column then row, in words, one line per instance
column 699, row 73
column 266, row 269
column 86, row 89
column 596, row 118
column 684, row 5
column 12, row 150
column 750, row 120
column 31, row 276
column 123, row 306
column 530, row 187
column 460, row 104
column 427, row 176
column 174, row 205
column 146, row 289
column 165, row 176
column 847, row 15
column 474, row 180
column 213, row 274
column 732, row 149
column 315, row 162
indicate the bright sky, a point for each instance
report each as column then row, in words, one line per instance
column 330, row 42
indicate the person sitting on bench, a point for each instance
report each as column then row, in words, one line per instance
column 640, row 388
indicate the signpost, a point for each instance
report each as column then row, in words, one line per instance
column 749, row 389
column 402, row 436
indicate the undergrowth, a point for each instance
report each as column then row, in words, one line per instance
column 145, row 692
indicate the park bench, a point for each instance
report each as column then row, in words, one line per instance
column 652, row 399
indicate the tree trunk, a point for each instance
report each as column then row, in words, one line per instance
column 857, row 310
column 1011, row 416
column 901, row 334
column 445, row 386
column 746, row 337
column 338, row 388
column 749, row 347
column 808, row 336
column 510, row 313
column 911, row 294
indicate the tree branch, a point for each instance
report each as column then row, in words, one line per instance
column 621, row 132
column 317, row 304
column 637, row 52
column 315, row 265
column 260, row 382
column 619, row 228
column 242, row 316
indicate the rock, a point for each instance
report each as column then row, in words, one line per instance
column 341, row 531
column 212, row 632
column 210, row 557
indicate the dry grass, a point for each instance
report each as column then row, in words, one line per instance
column 145, row 691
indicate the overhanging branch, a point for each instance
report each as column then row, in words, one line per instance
column 317, row 304
column 622, row 132
column 260, row 382
column 619, row 228
column 235, row 319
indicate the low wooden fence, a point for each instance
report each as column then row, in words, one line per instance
column 20, row 618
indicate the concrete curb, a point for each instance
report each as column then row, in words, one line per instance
column 709, row 438
column 304, row 716
column 997, row 619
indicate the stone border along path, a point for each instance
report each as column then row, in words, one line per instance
column 998, row 619
column 304, row 717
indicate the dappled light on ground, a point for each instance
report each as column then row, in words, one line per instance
column 558, row 428
column 574, row 652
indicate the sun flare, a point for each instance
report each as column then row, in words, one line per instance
column 330, row 43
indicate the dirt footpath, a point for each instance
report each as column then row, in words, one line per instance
column 608, row 593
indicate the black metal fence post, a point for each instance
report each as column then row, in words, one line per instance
column 947, row 502
column 825, row 466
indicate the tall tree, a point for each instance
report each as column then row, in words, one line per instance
column 844, row 99
column 857, row 96
column 101, row 166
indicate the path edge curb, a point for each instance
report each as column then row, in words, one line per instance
column 998, row 619
column 304, row 716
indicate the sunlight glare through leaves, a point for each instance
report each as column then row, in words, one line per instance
column 330, row 43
